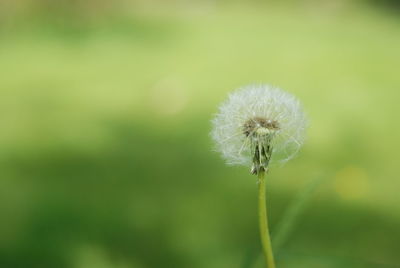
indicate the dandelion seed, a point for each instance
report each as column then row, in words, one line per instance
column 257, row 125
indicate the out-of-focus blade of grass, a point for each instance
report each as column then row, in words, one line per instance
column 292, row 214
column 299, row 260
column 288, row 221
column 250, row 258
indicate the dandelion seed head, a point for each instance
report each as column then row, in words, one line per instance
column 259, row 123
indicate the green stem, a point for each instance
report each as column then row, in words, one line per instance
column 262, row 213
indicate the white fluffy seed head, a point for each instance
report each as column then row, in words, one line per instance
column 237, row 127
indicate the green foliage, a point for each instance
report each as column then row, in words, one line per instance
column 105, row 156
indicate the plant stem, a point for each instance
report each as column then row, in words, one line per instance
column 263, row 220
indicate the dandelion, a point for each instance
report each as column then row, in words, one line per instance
column 259, row 125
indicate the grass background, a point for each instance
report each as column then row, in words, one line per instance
column 105, row 155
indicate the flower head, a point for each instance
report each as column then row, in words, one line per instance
column 258, row 124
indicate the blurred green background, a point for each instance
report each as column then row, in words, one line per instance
column 105, row 154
